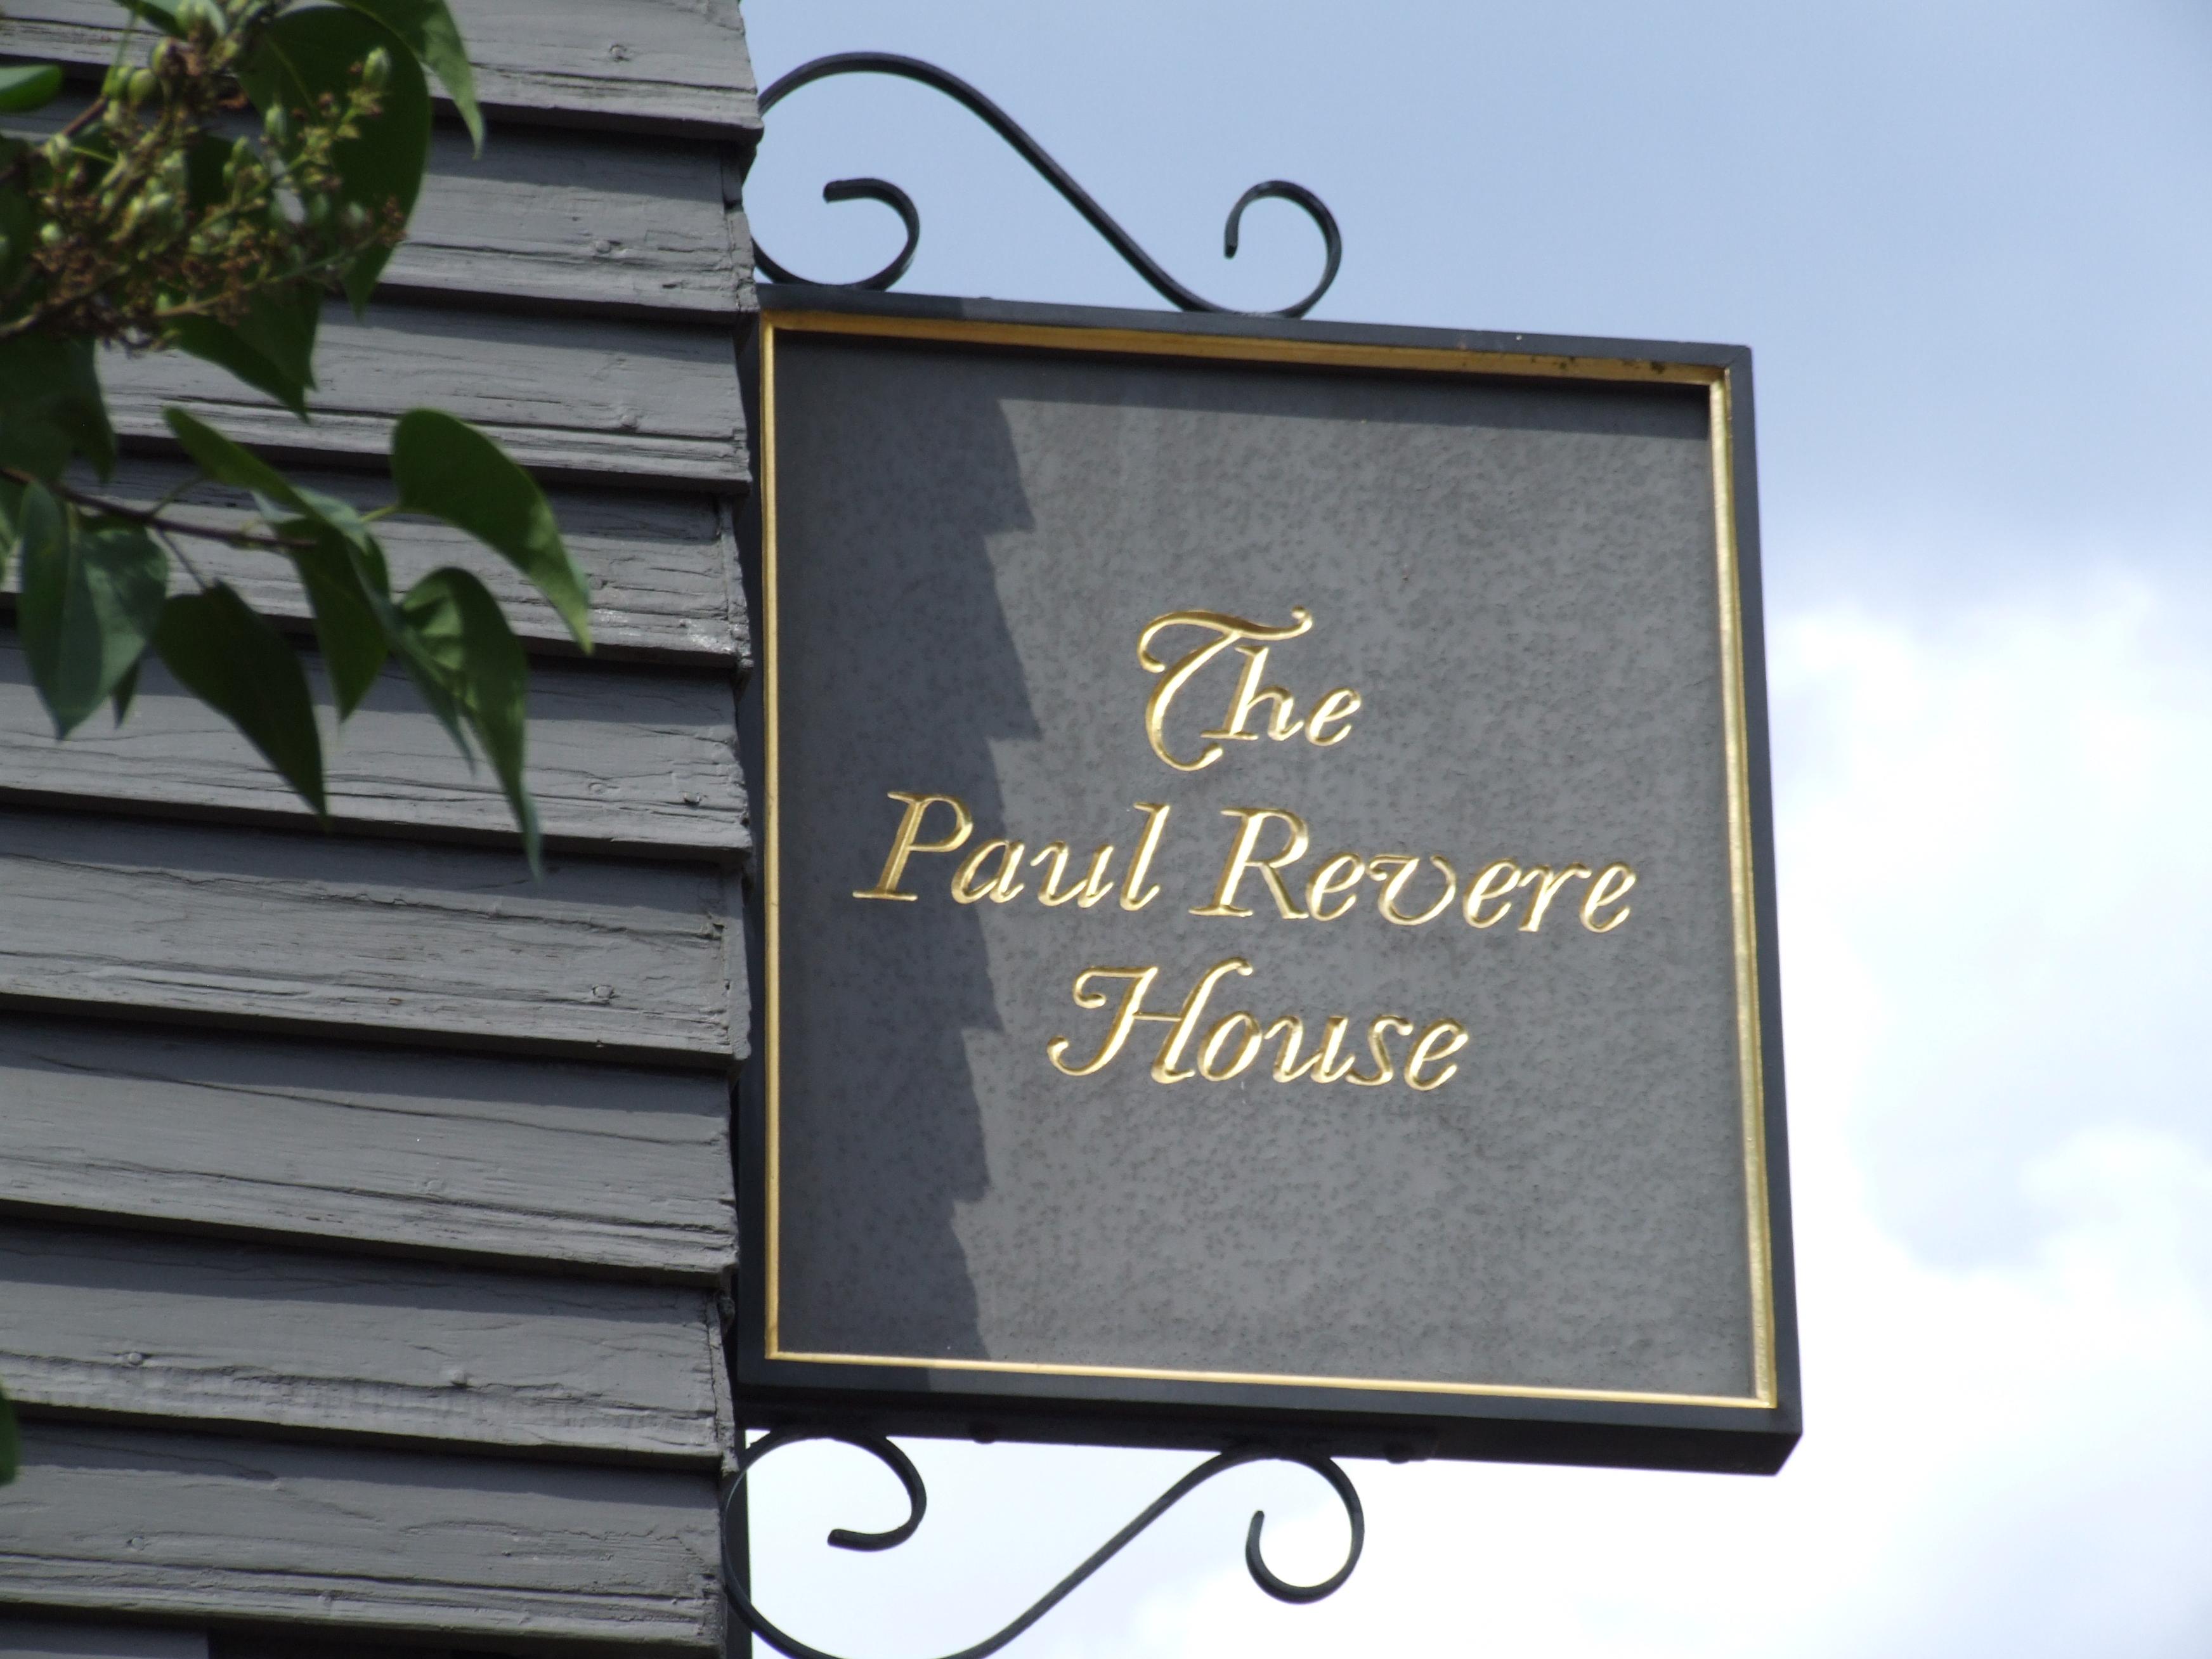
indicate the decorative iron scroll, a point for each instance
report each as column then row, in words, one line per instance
column 881, row 189
column 917, row 1498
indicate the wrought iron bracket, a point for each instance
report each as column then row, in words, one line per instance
column 917, row 1496
column 881, row 189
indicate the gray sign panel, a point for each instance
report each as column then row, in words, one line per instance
column 1268, row 927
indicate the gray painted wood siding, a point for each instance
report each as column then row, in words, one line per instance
column 662, row 567
column 665, row 66
column 618, row 400
column 24, row 1639
column 231, row 1334
column 365, row 1540
column 611, row 1169
column 626, row 960
column 366, row 1206
column 618, row 759
column 574, row 221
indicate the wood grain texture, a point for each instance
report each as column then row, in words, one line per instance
column 671, row 66
column 626, row 759
column 224, row 1334
column 22, row 1639
column 600, row 1168
column 626, row 402
column 624, row 959
column 662, row 569
column 189, row 1526
column 619, row 224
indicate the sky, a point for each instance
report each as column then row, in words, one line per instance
column 1971, row 246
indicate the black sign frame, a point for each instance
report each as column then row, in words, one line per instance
column 989, row 1399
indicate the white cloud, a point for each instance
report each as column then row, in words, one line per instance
column 1993, row 832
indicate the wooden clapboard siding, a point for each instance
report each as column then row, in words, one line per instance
column 366, row 1206
column 609, row 1169
column 186, row 1526
column 620, row 759
column 627, row 959
column 637, row 226
column 662, row 569
column 609, row 224
column 622, row 401
column 24, row 1639
column 225, row 1334
column 670, row 66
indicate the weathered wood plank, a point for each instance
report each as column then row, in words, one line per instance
column 625, row 400
column 625, row 759
column 633, row 226
column 624, row 224
column 674, row 66
column 662, row 569
column 598, row 1167
column 202, row 1527
column 21, row 1639
column 227, row 1335
column 627, row 959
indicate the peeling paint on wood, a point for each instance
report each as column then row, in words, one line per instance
column 662, row 569
column 625, row 959
column 203, row 1527
column 226, row 1333
column 625, row 759
column 603, row 1168
column 623, row 401
column 674, row 66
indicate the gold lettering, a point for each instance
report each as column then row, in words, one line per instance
column 1380, row 1051
column 1548, row 891
column 1496, row 881
column 1611, row 884
column 1288, row 1067
column 1247, row 1051
column 1440, row 1042
column 1250, row 694
column 1241, row 860
column 1405, row 864
column 1164, row 1068
column 1332, row 1039
column 1088, row 891
column 969, row 889
column 1341, row 704
column 1140, row 981
column 907, row 841
column 1134, row 895
column 1228, row 630
column 1340, row 875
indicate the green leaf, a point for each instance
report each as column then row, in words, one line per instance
column 11, row 1442
column 125, row 692
column 90, row 601
column 25, row 86
column 305, row 53
column 161, row 13
column 352, row 604
column 463, row 632
column 449, row 469
column 18, row 224
column 271, row 348
column 51, row 407
column 428, row 28
column 233, row 660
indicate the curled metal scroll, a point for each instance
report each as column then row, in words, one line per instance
column 881, row 189
column 917, row 1497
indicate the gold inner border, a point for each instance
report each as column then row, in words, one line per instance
column 1140, row 342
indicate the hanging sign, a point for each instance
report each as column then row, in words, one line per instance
column 1265, row 922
